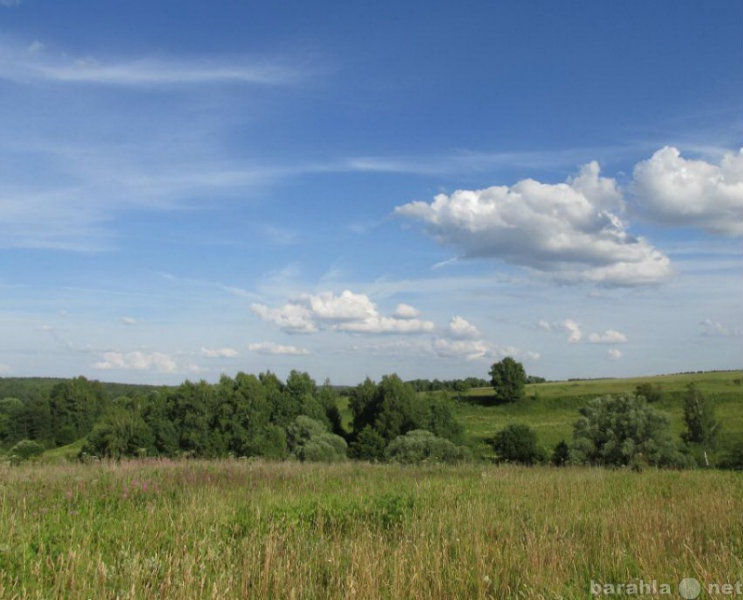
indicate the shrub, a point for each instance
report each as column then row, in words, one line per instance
column 422, row 446
column 26, row 449
column 623, row 430
column 561, row 454
column 518, row 443
column 309, row 440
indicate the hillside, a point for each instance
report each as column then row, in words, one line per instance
column 552, row 408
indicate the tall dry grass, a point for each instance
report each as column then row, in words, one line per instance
column 240, row 529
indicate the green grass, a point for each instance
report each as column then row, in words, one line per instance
column 552, row 408
column 245, row 529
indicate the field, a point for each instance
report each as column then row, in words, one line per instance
column 244, row 529
column 552, row 408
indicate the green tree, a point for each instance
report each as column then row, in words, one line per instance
column 517, row 443
column 120, row 432
column 702, row 429
column 508, row 379
column 13, row 427
column 391, row 407
column 189, row 409
column 440, row 419
column 74, row 406
column 155, row 413
column 368, row 445
column 623, row 430
column 699, row 417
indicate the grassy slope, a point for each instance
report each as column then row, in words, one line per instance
column 552, row 408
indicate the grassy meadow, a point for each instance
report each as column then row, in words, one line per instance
column 251, row 529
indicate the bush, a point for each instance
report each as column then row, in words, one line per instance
column 26, row 449
column 651, row 393
column 560, row 454
column 623, row 430
column 518, row 443
column 419, row 446
column 309, row 440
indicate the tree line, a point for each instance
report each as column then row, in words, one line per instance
column 390, row 420
column 247, row 415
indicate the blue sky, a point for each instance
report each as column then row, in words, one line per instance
column 353, row 189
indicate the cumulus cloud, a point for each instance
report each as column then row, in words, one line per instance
column 571, row 231
column 292, row 317
column 573, row 329
column 277, row 349
column 128, row 320
column 575, row 333
column 347, row 311
column 219, row 352
column 468, row 349
column 679, row 191
column 610, row 336
column 613, row 354
column 137, row 361
column 405, row 311
column 460, row 328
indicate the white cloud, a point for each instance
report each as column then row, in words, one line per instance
column 277, row 349
column 679, row 191
column 26, row 65
column 219, row 352
column 468, row 349
column 460, row 328
column 347, row 306
column 613, row 354
column 405, row 311
column 570, row 230
column 137, row 361
column 292, row 317
column 544, row 325
column 573, row 328
column 381, row 324
column 347, row 311
column 712, row 328
column 610, row 336
column 128, row 320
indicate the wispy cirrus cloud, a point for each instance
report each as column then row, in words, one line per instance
column 37, row 63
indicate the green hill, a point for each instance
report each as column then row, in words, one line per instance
column 552, row 408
